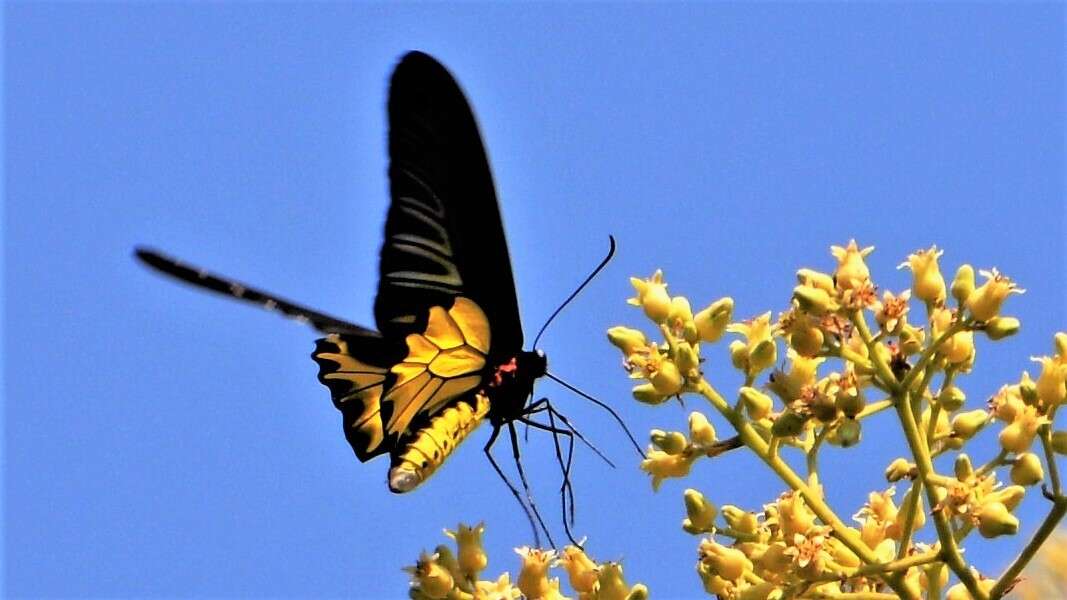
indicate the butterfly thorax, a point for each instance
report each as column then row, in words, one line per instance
column 510, row 384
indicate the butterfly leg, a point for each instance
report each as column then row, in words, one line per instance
column 514, row 491
column 525, row 483
column 566, row 491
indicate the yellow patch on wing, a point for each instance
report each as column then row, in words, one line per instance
column 442, row 363
column 363, row 392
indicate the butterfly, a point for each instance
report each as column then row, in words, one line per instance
column 447, row 353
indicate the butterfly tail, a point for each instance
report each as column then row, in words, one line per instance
column 418, row 457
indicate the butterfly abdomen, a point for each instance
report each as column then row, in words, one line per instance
column 427, row 448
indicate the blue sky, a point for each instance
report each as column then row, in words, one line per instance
column 161, row 442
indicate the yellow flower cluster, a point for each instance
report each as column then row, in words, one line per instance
column 853, row 352
column 448, row 575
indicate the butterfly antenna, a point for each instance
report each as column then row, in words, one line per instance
column 603, row 263
column 611, row 411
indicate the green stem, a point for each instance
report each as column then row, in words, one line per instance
column 880, row 366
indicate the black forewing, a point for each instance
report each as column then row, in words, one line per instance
column 443, row 234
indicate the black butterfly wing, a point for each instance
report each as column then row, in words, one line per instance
column 443, row 233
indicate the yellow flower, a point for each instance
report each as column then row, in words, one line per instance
column 533, row 577
column 581, row 570
column 432, row 579
column 652, row 296
column 472, row 557
column 815, row 279
column 501, row 589
column 802, row 373
column 965, row 425
column 611, row 585
column 1027, row 469
column 647, row 394
column 999, row 328
column 851, row 273
column 701, row 512
column 1019, row 435
column 963, row 284
column 712, row 321
column 794, row 514
column 701, row 432
column 892, row 311
column 759, row 342
column 1050, row 385
column 729, row 563
column 985, row 302
column 927, row 283
column 994, row 520
column 661, row 465
column 757, row 404
column 814, row 301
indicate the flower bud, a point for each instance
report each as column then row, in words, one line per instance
column 959, row 349
column 661, row 465
column 999, row 328
column 788, row 424
column 667, row 379
column 951, row 398
column 1016, row 437
column 911, row 339
column 687, row 359
column 963, row 468
column 899, row 469
column 1027, row 469
column 806, row 339
column 1050, row 385
column 965, row 425
column 739, row 355
column 472, row 558
column 626, row 339
column 757, row 404
column 1010, row 496
column 994, row 520
column 533, row 577
column 846, row 434
column 1060, row 343
column 680, row 312
column 672, row 442
column 712, row 321
column 729, row 563
column 815, row 279
column 581, row 570
column 646, row 393
column 814, row 301
column 963, row 284
column 739, row 519
column 762, row 356
column 701, row 512
column 700, row 429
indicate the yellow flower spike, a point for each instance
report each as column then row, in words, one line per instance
column 1027, row 469
column 927, row 282
column 646, row 393
column 899, row 469
column 999, row 328
column 816, row 279
column 701, row 431
column 661, row 465
column 852, row 272
column 533, row 576
column 472, row 558
column 701, row 512
column 1050, row 385
column 965, row 425
column 995, row 520
column 581, row 570
column 673, row 442
column 729, row 563
column 432, row 580
column 1059, row 442
column 985, row 302
column 891, row 312
column 501, row 589
column 711, row 322
column 963, row 285
column 757, row 404
column 815, row 301
column 652, row 297
column 630, row 341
